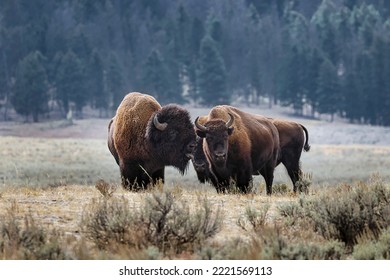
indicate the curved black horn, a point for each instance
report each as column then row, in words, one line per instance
column 158, row 125
column 199, row 126
column 230, row 121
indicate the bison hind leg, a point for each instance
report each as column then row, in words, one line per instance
column 294, row 172
column 244, row 179
column 291, row 160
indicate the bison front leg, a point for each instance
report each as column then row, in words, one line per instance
column 222, row 186
column 133, row 177
column 158, row 176
column 244, row 180
column 245, row 186
column 268, row 173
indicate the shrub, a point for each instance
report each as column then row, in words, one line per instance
column 350, row 212
column 29, row 241
column 234, row 249
column 374, row 250
column 162, row 222
column 331, row 250
column 281, row 189
column 303, row 184
column 256, row 219
column 172, row 225
column 270, row 244
column 109, row 221
column 292, row 212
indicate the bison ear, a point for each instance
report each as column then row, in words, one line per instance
column 200, row 133
column 230, row 130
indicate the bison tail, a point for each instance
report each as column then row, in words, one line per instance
column 306, row 147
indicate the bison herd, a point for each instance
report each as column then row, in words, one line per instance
column 228, row 145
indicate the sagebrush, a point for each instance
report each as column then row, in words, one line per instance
column 162, row 222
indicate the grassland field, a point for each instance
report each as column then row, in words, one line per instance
column 50, row 169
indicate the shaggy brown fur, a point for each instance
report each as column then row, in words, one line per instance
column 140, row 149
column 250, row 146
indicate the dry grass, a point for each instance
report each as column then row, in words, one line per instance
column 53, row 162
column 63, row 206
column 87, row 225
column 56, row 162
column 53, row 182
column 61, row 209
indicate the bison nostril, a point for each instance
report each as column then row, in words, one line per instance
column 220, row 158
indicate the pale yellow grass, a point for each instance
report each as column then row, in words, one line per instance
column 333, row 164
column 52, row 162
column 61, row 208
column 53, row 180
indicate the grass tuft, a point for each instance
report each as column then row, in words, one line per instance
column 106, row 189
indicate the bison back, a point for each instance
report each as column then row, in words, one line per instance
column 130, row 123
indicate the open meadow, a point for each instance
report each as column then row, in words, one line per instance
column 60, row 199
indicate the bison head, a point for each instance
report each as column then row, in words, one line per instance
column 216, row 134
column 199, row 160
column 171, row 136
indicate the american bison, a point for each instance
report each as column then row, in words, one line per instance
column 293, row 138
column 144, row 137
column 238, row 145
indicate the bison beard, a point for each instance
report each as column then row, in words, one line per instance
column 166, row 143
column 144, row 137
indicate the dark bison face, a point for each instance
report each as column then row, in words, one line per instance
column 216, row 134
column 171, row 135
column 199, row 160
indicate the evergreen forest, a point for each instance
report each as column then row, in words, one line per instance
column 316, row 56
